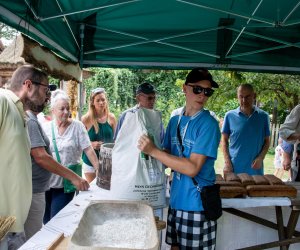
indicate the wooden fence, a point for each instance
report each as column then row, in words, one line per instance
column 274, row 134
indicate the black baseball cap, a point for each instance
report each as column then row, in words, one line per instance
column 146, row 88
column 200, row 74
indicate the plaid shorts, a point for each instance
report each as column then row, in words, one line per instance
column 190, row 230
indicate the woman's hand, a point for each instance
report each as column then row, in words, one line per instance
column 96, row 144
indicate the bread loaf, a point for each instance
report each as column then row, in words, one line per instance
column 229, row 183
column 271, row 191
column 232, row 192
column 246, row 179
column 260, row 180
column 219, row 177
column 231, row 177
column 273, row 180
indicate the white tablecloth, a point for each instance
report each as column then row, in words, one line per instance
column 233, row 232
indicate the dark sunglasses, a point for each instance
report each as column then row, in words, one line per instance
column 198, row 90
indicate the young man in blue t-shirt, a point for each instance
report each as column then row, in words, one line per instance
column 190, row 150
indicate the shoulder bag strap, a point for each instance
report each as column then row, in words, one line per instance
column 54, row 142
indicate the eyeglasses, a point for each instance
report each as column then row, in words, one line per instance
column 198, row 90
column 98, row 90
column 149, row 98
column 41, row 84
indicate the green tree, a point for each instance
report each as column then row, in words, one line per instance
column 7, row 32
column 275, row 89
column 224, row 97
column 120, row 84
column 168, row 84
column 272, row 90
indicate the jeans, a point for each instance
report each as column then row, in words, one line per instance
column 56, row 200
column 12, row 241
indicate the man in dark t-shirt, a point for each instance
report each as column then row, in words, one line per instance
column 43, row 164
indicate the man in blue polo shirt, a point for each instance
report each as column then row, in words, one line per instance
column 245, row 135
column 190, row 150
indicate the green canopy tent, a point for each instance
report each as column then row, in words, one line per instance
column 252, row 35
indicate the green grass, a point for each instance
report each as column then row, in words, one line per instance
column 268, row 164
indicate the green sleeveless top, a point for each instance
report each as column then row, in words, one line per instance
column 105, row 134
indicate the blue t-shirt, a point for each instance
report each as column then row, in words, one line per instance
column 246, row 138
column 287, row 147
column 202, row 136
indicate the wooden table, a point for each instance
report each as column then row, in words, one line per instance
column 242, row 219
column 287, row 235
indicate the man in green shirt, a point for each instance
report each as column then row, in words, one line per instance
column 27, row 90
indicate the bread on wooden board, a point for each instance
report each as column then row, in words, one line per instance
column 232, row 192
column 246, row 179
column 271, row 191
column 273, row 180
column 231, row 177
column 260, row 180
column 229, row 183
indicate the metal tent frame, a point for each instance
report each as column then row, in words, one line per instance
column 257, row 35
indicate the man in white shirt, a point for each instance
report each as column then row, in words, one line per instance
column 290, row 131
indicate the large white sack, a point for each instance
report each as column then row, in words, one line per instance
column 133, row 177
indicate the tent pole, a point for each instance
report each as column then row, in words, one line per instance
column 68, row 25
column 291, row 12
column 80, row 89
column 241, row 32
column 267, row 38
column 64, row 14
column 32, row 10
column 261, row 20
column 21, row 23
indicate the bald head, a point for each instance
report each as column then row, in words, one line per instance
column 246, row 97
column 246, row 86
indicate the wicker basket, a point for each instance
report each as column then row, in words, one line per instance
column 6, row 223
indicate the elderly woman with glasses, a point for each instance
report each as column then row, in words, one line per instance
column 68, row 139
column 100, row 124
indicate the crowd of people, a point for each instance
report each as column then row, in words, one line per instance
column 42, row 163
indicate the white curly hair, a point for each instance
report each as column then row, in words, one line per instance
column 58, row 95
